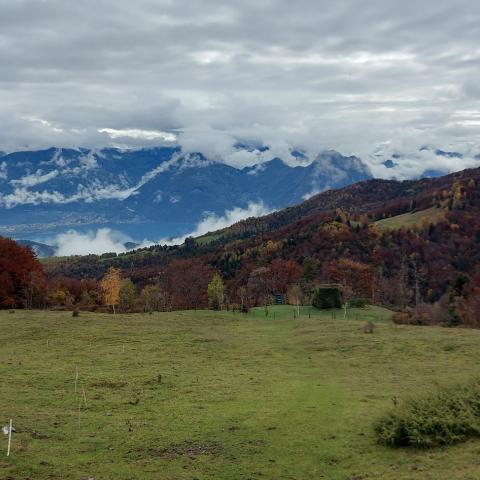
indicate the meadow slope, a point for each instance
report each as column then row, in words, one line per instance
column 205, row 395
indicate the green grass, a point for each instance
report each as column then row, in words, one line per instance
column 411, row 219
column 208, row 238
column 242, row 396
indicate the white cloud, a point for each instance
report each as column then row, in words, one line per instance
column 44, row 123
column 319, row 75
column 411, row 161
column 35, row 178
column 212, row 222
column 22, row 196
column 313, row 192
column 138, row 134
column 102, row 241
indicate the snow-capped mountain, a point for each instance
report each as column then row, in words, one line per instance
column 388, row 161
column 152, row 193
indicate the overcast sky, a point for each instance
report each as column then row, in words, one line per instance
column 358, row 76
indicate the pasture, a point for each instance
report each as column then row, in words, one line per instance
column 217, row 395
column 412, row 219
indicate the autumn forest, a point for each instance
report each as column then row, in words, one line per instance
column 411, row 246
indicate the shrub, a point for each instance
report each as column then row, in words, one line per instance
column 327, row 297
column 401, row 318
column 369, row 327
column 358, row 302
column 444, row 417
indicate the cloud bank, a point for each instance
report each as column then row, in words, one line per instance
column 316, row 74
column 106, row 240
column 103, row 240
column 211, row 222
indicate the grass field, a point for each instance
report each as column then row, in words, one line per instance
column 207, row 238
column 240, row 397
column 409, row 220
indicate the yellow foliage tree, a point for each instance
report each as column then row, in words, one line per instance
column 216, row 292
column 111, row 284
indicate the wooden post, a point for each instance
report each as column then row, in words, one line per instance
column 9, row 438
column 76, row 378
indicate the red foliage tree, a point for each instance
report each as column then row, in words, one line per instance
column 353, row 275
column 189, row 282
column 284, row 273
column 22, row 281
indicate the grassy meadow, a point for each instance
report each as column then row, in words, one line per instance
column 412, row 219
column 208, row 395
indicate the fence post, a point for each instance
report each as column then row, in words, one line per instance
column 9, row 438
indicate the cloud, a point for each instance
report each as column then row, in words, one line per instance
column 137, row 133
column 102, row 241
column 21, row 194
column 35, row 178
column 319, row 75
column 211, row 222
column 106, row 240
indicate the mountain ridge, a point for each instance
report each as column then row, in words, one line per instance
column 161, row 191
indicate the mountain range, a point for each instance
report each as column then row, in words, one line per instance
column 150, row 193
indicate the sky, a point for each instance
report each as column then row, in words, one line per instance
column 368, row 78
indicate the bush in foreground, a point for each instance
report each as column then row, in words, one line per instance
column 444, row 417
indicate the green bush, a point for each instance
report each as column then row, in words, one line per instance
column 358, row 302
column 327, row 297
column 444, row 417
